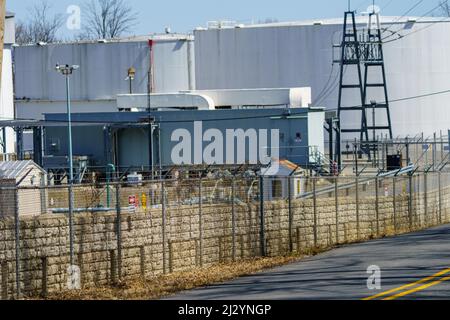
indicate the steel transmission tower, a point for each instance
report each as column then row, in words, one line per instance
column 374, row 60
column 357, row 49
column 351, row 57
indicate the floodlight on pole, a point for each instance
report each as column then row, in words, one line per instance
column 67, row 71
column 131, row 76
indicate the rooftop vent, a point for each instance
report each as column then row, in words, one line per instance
column 221, row 24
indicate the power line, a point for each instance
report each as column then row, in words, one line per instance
column 387, row 5
column 404, row 15
column 421, row 29
column 406, row 98
column 416, row 31
column 362, row 3
column 325, row 88
column 333, row 86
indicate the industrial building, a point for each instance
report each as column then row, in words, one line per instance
column 300, row 54
column 7, row 138
column 233, row 70
column 124, row 140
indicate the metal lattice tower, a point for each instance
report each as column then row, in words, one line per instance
column 351, row 57
column 357, row 49
column 374, row 60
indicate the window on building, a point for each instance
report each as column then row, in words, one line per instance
column 277, row 189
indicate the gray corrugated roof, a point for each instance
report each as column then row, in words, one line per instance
column 13, row 169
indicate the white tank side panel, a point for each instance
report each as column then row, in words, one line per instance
column 171, row 67
column 6, row 99
column 103, row 69
column 10, row 31
column 301, row 56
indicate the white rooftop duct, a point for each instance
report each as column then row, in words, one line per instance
column 290, row 97
column 212, row 99
column 182, row 100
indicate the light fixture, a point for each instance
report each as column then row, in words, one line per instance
column 131, row 73
column 66, row 69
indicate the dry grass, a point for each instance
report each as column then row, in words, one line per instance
column 166, row 285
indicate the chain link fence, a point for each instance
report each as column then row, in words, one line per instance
column 119, row 231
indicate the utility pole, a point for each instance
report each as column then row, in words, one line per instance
column 67, row 71
column 2, row 34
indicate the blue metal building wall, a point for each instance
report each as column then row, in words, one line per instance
column 133, row 143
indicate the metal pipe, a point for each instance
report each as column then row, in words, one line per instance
column 291, row 245
column 440, row 196
column 71, row 204
column 163, row 214
column 377, row 205
column 119, row 232
column 358, row 233
column 110, row 168
column 410, row 201
column 336, row 203
column 67, row 71
column 394, row 202
column 233, row 216
column 315, row 211
column 17, row 240
column 262, row 216
column 200, row 218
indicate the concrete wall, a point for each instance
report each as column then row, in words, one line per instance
column 44, row 239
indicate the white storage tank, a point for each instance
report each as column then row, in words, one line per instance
column 300, row 54
column 102, row 73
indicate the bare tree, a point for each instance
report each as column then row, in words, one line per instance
column 41, row 26
column 107, row 19
column 23, row 35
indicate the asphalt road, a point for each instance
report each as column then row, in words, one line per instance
column 416, row 264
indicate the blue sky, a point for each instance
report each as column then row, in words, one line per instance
column 185, row 15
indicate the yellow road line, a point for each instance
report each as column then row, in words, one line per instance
column 385, row 293
column 423, row 287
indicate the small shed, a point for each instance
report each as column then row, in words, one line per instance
column 30, row 180
column 277, row 178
